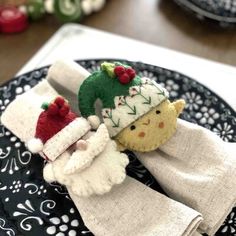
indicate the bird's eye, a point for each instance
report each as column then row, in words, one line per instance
column 158, row 112
column 132, row 127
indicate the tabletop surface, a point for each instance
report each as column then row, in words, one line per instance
column 160, row 22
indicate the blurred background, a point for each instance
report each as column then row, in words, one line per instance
column 203, row 28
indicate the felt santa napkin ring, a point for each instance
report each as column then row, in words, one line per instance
column 136, row 111
column 86, row 162
column 57, row 129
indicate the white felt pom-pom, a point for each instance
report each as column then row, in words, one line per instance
column 94, row 121
column 35, row 145
column 48, row 173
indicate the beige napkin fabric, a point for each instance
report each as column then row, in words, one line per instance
column 130, row 208
column 28, row 114
column 196, row 233
column 135, row 210
column 66, row 77
column 197, row 168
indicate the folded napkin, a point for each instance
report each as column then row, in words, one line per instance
column 198, row 169
column 195, row 167
column 130, row 208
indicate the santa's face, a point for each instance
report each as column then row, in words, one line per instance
column 153, row 129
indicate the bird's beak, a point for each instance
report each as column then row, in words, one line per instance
column 179, row 106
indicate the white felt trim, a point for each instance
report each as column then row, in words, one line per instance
column 122, row 115
column 107, row 170
column 56, row 145
column 94, row 121
column 48, row 173
column 82, row 159
column 35, row 145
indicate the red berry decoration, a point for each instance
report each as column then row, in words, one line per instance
column 131, row 72
column 64, row 110
column 125, row 75
column 60, row 101
column 124, row 78
column 119, row 70
column 53, row 109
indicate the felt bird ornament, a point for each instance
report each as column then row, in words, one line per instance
column 135, row 110
column 152, row 129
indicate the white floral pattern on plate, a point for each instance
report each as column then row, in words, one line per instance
column 207, row 115
column 23, row 190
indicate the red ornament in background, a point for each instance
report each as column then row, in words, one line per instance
column 125, row 75
column 12, row 20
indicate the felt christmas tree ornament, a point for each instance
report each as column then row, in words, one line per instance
column 130, row 208
column 194, row 166
column 57, row 128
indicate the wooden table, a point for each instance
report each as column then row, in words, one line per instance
column 159, row 22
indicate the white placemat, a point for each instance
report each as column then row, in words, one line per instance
column 73, row 41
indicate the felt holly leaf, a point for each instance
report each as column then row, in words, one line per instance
column 109, row 68
column 45, row 106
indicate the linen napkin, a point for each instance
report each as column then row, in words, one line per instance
column 130, row 208
column 195, row 167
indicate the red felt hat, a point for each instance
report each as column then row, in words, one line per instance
column 57, row 129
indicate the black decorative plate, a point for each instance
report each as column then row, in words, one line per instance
column 31, row 207
column 222, row 12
